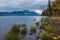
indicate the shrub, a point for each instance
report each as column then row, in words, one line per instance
column 13, row 34
column 51, row 29
column 15, row 29
column 33, row 29
column 46, row 36
column 24, row 31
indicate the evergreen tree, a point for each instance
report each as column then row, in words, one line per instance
column 49, row 8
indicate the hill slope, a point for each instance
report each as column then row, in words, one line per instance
column 54, row 10
column 19, row 13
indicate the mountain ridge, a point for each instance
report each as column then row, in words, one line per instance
column 19, row 13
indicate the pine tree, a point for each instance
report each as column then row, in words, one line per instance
column 49, row 8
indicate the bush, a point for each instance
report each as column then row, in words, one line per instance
column 24, row 31
column 13, row 34
column 48, row 28
column 15, row 29
column 51, row 29
column 33, row 29
column 23, row 25
column 46, row 36
column 42, row 26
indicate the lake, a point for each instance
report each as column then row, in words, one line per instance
column 6, row 22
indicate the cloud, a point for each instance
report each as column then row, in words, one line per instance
column 6, row 5
column 38, row 11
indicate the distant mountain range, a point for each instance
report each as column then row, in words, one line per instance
column 19, row 13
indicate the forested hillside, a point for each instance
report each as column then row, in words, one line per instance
column 52, row 10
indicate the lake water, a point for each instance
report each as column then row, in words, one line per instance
column 6, row 22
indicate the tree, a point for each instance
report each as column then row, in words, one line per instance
column 49, row 8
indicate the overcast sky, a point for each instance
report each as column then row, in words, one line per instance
column 8, row 5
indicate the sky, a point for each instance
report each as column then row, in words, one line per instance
column 12, row 5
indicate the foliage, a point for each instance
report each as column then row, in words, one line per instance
column 46, row 36
column 24, row 31
column 33, row 29
column 50, row 29
column 42, row 26
column 51, row 26
column 23, row 25
column 53, row 10
column 13, row 34
column 15, row 29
